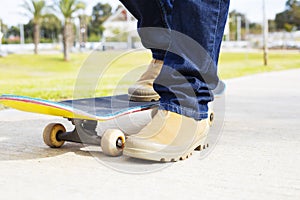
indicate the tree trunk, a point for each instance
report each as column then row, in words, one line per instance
column 65, row 43
column 67, row 39
column 36, row 37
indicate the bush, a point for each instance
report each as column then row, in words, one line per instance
column 46, row 40
column 94, row 38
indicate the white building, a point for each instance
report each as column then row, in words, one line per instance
column 120, row 22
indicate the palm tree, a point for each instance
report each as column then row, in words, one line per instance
column 68, row 8
column 35, row 10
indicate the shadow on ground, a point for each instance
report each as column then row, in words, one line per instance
column 22, row 140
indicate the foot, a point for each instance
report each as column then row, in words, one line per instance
column 168, row 137
column 143, row 90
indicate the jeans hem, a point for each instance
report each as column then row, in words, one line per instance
column 184, row 111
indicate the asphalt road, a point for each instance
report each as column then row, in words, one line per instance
column 256, row 157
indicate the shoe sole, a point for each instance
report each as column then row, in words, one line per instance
column 171, row 157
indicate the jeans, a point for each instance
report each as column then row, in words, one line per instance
column 186, row 35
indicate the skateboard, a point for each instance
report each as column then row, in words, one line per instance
column 85, row 114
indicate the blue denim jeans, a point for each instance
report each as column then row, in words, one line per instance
column 187, row 35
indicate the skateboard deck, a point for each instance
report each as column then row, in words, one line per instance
column 99, row 109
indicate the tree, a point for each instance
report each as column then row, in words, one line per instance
column 13, row 31
column 292, row 3
column 254, row 28
column 233, row 15
column 3, row 27
column 290, row 18
column 51, row 27
column 272, row 25
column 100, row 13
column 28, row 31
column 35, row 9
column 3, row 31
column 68, row 8
column 83, row 21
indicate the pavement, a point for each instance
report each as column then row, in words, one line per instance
column 256, row 156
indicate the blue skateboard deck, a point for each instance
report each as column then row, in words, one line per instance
column 100, row 109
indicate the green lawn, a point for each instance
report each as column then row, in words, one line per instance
column 100, row 73
column 240, row 64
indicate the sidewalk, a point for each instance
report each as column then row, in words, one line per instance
column 257, row 156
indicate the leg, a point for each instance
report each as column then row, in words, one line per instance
column 154, row 17
column 190, row 70
column 184, row 84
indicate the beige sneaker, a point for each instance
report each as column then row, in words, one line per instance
column 168, row 137
column 143, row 90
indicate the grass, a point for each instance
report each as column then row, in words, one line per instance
column 105, row 73
column 241, row 64
column 45, row 76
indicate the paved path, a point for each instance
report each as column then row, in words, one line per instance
column 257, row 156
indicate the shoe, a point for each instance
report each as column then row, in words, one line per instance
column 143, row 90
column 168, row 137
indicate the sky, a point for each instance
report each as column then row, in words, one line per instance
column 11, row 10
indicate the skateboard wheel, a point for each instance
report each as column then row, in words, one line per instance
column 112, row 142
column 50, row 135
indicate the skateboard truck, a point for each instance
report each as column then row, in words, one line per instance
column 84, row 132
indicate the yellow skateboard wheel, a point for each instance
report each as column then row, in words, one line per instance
column 50, row 135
